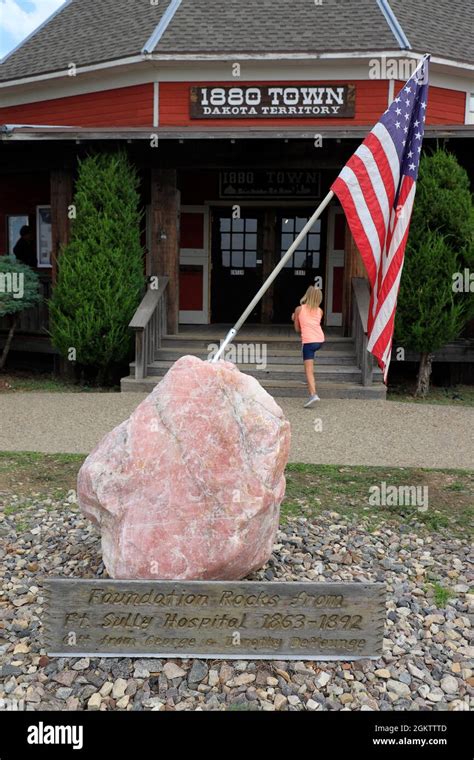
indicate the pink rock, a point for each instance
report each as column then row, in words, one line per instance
column 190, row 486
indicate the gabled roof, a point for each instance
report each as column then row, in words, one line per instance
column 90, row 32
column 85, row 32
column 442, row 27
column 283, row 26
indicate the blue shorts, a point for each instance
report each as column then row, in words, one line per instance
column 309, row 349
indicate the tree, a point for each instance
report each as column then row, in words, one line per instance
column 441, row 242
column 100, row 277
column 19, row 290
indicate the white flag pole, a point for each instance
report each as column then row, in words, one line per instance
column 235, row 329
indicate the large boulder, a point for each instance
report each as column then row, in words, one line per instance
column 190, row 486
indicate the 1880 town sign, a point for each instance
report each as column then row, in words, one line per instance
column 272, row 101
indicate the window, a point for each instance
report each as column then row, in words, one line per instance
column 470, row 108
column 14, row 225
column 43, row 235
column 307, row 255
column 238, row 243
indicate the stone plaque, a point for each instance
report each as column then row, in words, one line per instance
column 214, row 619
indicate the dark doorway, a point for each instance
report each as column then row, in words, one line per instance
column 239, row 248
column 237, row 263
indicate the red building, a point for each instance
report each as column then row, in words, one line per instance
column 222, row 105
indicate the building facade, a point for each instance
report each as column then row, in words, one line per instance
column 238, row 117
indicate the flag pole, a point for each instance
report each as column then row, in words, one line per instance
column 235, row 329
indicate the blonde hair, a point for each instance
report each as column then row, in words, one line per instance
column 312, row 298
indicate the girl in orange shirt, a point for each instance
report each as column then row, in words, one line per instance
column 307, row 321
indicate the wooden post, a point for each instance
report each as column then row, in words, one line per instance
column 164, row 246
column 61, row 186
column 353, row 267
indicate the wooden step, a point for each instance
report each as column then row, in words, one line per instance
column 277, row 371
column 275, row 342
column 272, row 355
column 283, row 389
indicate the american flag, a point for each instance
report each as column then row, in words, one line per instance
column 376, row 189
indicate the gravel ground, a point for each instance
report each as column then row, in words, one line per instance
column 351, row 432
column 427, row 659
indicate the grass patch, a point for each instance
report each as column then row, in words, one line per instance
column 456, row 395
column 311, row 489
column 24, row 382
column 441, row 595
column 27, row 473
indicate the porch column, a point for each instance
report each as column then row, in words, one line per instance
column 353, row 267
column 164, row 245
column 61, row 187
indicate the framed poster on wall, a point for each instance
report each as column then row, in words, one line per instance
column 43, row 235
column 14, row 225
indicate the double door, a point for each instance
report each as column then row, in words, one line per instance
column 244, row 252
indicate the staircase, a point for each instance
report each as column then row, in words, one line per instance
column 277, row 361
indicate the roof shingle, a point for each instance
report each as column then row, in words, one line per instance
column 442, row 27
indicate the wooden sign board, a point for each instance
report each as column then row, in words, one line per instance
column 274, row 101
column 214, row 619
column 267, row 183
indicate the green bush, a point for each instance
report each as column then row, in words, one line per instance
column 441, row 243
column 100, row 275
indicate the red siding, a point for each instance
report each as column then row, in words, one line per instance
column 124, row 107
column 371, row 101
column 133, row 106
column 190, row 288
column 444, row 106
column 192, row 230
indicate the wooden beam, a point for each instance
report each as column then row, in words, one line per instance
column 164, row 245
column 61, row 184
column 353, row 267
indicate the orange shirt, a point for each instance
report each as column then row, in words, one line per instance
column 310, row 325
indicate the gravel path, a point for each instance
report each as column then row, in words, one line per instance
column 427, row 659
column 349, row 432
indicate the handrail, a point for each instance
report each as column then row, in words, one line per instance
column 360, row 314
column 149, row 324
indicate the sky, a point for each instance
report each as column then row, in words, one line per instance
column 18, row 18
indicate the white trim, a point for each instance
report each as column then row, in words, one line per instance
column 146, row 67
column 394, row 24
column 334, row 258
column 35, row 31
column 156, row 104
column 469, row 115
column 229, row 57
column 179, row 73
column 391, row 91
column 161, row 28
column 63, row 73
column 201, row 257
